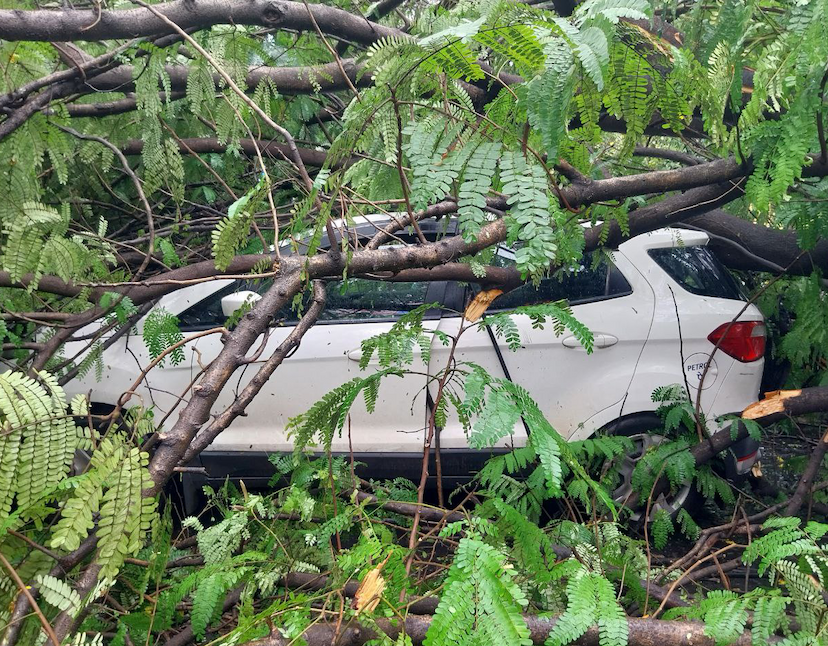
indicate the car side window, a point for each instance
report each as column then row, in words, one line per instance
column 585, row 283
column 352, row 299
column 359, row 299
column 207, row 312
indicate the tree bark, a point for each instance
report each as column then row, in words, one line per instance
column 642, row 632
column 779, row 246
column 108, row 24
column 206, row 436
column 806, row 481
column 288, row 80
column 779, row 404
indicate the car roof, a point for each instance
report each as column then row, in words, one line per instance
column 365, row 226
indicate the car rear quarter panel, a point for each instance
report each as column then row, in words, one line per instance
column 678, row 350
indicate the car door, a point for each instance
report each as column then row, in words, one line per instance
column 571, row 386
column 328, row 356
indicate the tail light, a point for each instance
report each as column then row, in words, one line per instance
column 744, row 341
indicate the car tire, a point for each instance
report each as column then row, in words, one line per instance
column 647, row 431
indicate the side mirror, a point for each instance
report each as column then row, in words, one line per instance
column 236, row 300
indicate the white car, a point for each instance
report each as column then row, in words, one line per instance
column 656, row 311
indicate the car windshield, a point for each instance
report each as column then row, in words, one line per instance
column 698, row 271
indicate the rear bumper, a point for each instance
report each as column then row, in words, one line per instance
column 741, row 457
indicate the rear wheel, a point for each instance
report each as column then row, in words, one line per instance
column 645, row 435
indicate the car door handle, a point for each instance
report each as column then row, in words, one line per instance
column 600, row 340
column 356, row 355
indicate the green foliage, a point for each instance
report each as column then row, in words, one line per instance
column 406, row 338
column 532, row 210
column 548, row 96
column 661, row 528
column 219, row 542
column 59, row 594
column 231, row 232
column 590, row 600
column 689, row 527
column 37, row 444
column 327, row 416
column 207, row 599
column 558, row 313
column 160, row 333
column 472, row 192
column 481, row 603
column 125, row 514
column 24, row 246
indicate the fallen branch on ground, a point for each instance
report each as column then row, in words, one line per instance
column 642, row 632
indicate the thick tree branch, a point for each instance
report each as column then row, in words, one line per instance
column 779, row 246
column 375, row 261
column 289, row 80
column 243, row 399
column 642, row 632
column 108, row 24
column 786, row 403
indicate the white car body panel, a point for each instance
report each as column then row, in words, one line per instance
column 569, row 384
column 327, row 357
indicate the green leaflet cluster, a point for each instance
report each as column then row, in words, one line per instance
column 473, row 190
column 162, row 161
column 125, row 514
column 443, row 157
column 788, row 83
column 36, row 244
column 793, row 556
column 327, row 416
column 232, row 231
column 532, row 211
column 111, row 490
column 591, row 600
column 37, row 443
column 161, row 332
column 481, row 603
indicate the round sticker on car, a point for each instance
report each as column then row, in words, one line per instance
column 694, row 369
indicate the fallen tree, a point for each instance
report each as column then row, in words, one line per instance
column 526, row 127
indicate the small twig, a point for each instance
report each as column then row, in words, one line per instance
column 25, row 590
column 135, row 181
column 403, row 178
column 127, row 395
column 37, row 546
column 332, row 51
column 675, row 583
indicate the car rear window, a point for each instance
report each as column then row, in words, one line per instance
column 587, row 282
column 698, row 271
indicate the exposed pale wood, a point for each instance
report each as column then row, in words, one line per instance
column 774, row 402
